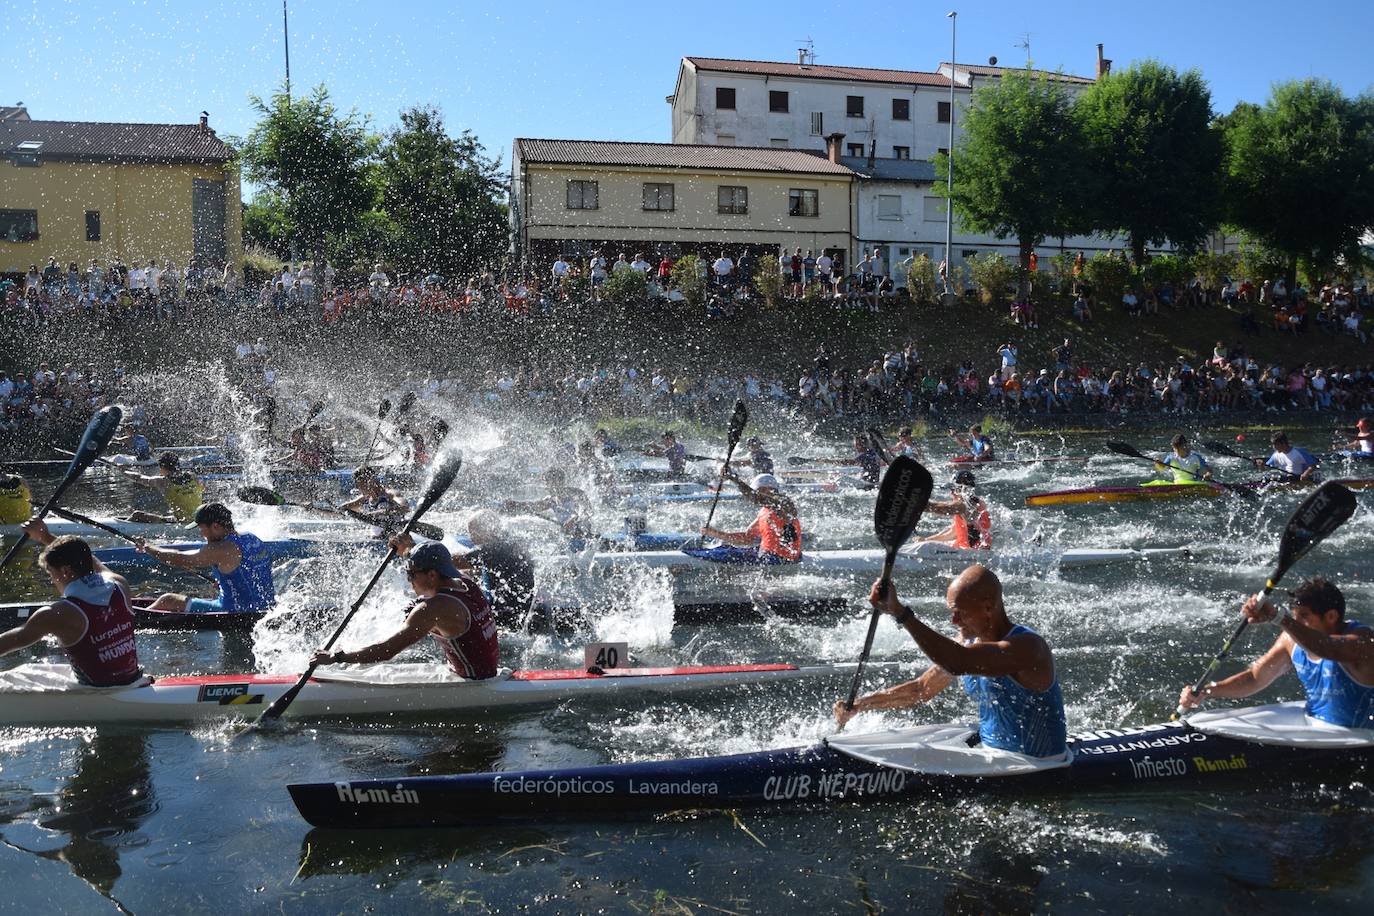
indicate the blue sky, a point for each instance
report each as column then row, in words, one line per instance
column 602, row 70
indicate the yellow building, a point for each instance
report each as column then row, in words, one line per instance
column 75, row 190
column 572, row 197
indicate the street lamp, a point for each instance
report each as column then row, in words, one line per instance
column 949, row 157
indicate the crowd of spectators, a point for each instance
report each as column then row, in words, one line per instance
column 49, row 398
column 157, row 290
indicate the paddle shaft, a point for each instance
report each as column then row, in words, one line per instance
column 884, row 583
column 720, row 483
column 1217, row 659
column 1227, row 450
column 738, row 419
column 382, row 410
column 80, row 519
column 47, row 507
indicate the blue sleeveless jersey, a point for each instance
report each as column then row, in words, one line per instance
column 979, row 447
column 1332, row 694
column 249, row 587
column 1012, row 718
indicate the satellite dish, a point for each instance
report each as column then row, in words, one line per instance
column 992, row 61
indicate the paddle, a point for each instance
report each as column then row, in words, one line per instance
column 86, row 520
column 266, row 496
column 902, row 497
column 383, row 409
column 1130, row 451
column 737, row 421
column 1322, row 512
column 94, row 440
column 444, row 472
column 1223, row 449
column 105, row 461
column 875, row 439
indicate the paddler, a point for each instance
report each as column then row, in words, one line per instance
column 499, row 562
column 758, row 459
column 1363, row 443
column 1007, row 668
column 238, row 561
column 449, row 607
column 16, row 500
column 93, row 620
column 775, row 535
column 568, row 507
column 669, row 448
column 1187, row 465
column 385, row 507
column 865, row 456
column 1333, row 657
column 906, row 444
column 182, row 491
column 1292, row 461
column 972, row 525
column 606, row 447
column 979, row 446
column 138, row 444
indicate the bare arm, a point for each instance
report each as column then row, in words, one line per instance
column 903, row 696
column 220, row 553
column 47, row 621
column 417, row 626
column 1264, row 671
column 1353, row 649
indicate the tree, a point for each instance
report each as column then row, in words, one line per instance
column 1019, row 167
column 1300, row 172
column 1157, row 153
column 442, row 195
column 314, row 167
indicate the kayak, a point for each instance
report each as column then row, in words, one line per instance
column 1209, row 749
column 278, row 549
column 49, row 694
column 969, row 459
column 151, row 530
column 922, row 557
column 1352, row 455
column 1169, row 490
column 13, row 615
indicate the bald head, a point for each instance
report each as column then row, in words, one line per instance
column 975, row 584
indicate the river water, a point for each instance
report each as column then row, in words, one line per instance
column 153, row 820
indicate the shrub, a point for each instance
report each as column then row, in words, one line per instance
column 920, row 280
column 258, row 265
column 689, row 280
column 1167, row 268
column 1213, row 269
column 768, row 279
column 991, row 273
column 1109, row 274
column 625, row 286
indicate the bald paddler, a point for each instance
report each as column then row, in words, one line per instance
column 775, row 536
column 93, row 620
column 1006, row 667
column 1186, row 465
column 181, row 490
column 238, row 561
column 1332, row 656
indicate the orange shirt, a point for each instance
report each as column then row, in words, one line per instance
column 775, row 536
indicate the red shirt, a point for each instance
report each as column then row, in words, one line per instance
column 106, row 654
column 475, row 654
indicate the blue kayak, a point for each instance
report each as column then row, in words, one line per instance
column 283, row 549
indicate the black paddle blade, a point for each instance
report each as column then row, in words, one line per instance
column 738, row 420
column 445, row 469
column 1127, row 449
column 1322, row 512
column 383, row 408
column 261, row 496
column 95, row 439
column 407, row 402
column 902, row 497
column 1221, row 448
column 875, row 440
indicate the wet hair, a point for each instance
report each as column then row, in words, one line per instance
column 1320, row 595
column 1278, row 437
column 1179, row 440
column 169, row 460
column 69, row 551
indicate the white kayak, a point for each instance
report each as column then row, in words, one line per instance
column 287, row 523
column 48, row 694
column 922, row 557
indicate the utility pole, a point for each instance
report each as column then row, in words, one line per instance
column 286, row 46
column 949, row 158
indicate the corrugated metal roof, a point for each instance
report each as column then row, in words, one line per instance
column 819, row 71
column 891, row 169
column 99, row 141
column 676, row 156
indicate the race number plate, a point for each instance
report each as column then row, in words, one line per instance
column 607, row 655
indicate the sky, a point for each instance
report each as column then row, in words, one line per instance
column 603, row 70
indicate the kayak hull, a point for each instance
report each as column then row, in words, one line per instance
column 1164, row 755
column 1172, row 491
column 15, row 614
column 39, row 695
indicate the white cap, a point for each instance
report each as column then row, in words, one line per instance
column 764, row 480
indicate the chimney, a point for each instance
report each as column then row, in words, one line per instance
column 801, row 56
column 1104, row 66
column 205, row 122
column 832, row 146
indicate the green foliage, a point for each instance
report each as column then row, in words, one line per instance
column 689, row 280
column 992, row 274
column 1213, row 269
column 259, row 264
column 1167, row 268
column 1062, row 265
column 264, row 224
column 625, row 286
column 768, row 279
column 1108, row 274
column 1019, row 170
column 1258, row 262
column 1298, row 171
column 442, row 195
column 920, row 280
column 314, row 165
column 1155, row 155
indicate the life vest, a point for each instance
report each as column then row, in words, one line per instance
column 777, row 537
column 184, row 494
column 16, row 504
column 977, row 535
column 474, row 654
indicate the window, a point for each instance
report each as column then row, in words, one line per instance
column 92, row 225
column 582, row 195
column 901, row 109
column 18, row 225
column 942, row 150
column 777, row 101
column 934, row 211
column 817, row 123
column 725, row 99
column 854, row 106
column 658, row 196
column 901, row 152
column 731, row 199
column 968, row 253
column 889, row 206
column 855, row 149
column 725, row 139
column 942, row 112
column 778, row 143
column 803, row 202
